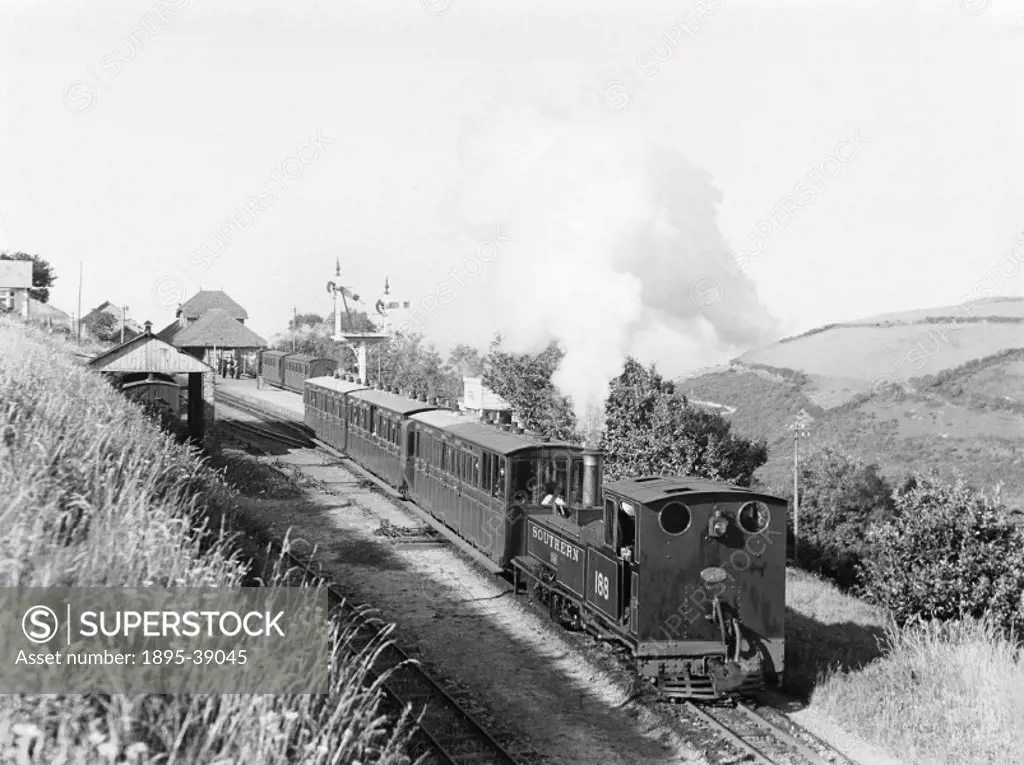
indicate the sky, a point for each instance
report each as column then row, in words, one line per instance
column 609, row 169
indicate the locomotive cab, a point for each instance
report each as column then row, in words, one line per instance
column 706, row 572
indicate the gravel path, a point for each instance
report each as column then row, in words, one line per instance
column 534, row 678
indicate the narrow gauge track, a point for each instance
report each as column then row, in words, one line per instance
column 741, row 725
column 760, row 739
column 451, row 733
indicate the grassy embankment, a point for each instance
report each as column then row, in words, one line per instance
column 92, row 494
column 929, row 695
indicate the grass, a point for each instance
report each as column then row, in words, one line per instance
column 931, row 695
column 93, row 494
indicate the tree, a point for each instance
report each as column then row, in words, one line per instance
column 103, row 326
column 43, row 275
column 305, row 320
column 948, row 552
column 353, row 321
column 841, row 500
column 465, row 361
column 524, row 381
column 651, row 429
column 415, row 368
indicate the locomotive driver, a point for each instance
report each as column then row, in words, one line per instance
column 555, row 497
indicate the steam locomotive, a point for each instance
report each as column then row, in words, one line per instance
column 688, row 575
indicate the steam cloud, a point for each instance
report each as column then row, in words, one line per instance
column 608, row 235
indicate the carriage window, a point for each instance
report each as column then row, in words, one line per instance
column 486, row 479
column 525, row 482
column 474, row 470
column 499, row 478
column 554, row 476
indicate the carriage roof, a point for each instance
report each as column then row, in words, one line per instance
column 490, row 437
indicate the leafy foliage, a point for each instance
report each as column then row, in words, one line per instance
column 43, row 275
column 103, row 326
column 304, row 320
column 841, row 498
column 415, row 368
column 651, row 429
column 948, row 552
column 524, row 381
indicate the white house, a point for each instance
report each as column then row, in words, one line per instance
column 15, row 282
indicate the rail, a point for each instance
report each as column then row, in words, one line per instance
column 454, row 735
column 750, row 740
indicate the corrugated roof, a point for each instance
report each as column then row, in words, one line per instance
column 647, row 489
column 15, row 274
column 335, row 384
column 217, row 328
column 147, row 353
column 206, row 300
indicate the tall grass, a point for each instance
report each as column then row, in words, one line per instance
column 92, row 494
column 931, row 694
column 943, row 694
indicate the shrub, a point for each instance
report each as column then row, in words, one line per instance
column 841, row 498
column 949, row 552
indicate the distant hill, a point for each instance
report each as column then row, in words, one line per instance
column 938, row 388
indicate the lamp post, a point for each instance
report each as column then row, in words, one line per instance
column 799, row 429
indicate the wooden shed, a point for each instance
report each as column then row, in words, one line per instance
column 149, row 354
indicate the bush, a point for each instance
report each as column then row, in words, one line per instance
column 841, row 498
column 949, row 552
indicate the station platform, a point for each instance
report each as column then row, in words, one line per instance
column 282, row 402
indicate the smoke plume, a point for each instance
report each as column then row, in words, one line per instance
column 608, row 235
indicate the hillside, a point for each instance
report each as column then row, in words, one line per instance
column 938, row 388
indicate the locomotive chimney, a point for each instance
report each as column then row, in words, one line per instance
column 592, row 478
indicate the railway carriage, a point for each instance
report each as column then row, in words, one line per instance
column 687, row 574
column 461, row 475
column 298, row 367
column 327, row 408
column 271, row 367
column 378, row 427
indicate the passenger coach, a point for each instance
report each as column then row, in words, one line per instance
column 326, row 407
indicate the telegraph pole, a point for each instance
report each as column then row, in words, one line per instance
column 295, row 327
column 799, row 428
column 124, row 313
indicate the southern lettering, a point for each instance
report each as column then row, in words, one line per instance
column 556, row 543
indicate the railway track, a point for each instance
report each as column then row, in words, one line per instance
column 762, row 740
column 450, row 734
column 745, row 729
